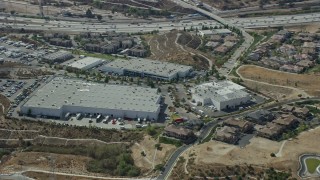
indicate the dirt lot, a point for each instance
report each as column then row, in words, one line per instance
column 224, row 5
column 214, row 154
column 153, row 156
column 274, row 92
column 310, row 83
column 41, row 175
column 177, row 47
column 41, row 161
column 312, row 28
column 4, row 104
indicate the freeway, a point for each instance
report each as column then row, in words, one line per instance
column 123, row 26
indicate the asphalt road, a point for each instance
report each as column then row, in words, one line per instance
column 77, row 27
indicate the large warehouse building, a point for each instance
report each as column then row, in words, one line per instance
column 86, row 63
column 61, row 96
column 147, row 68
column 223, row 94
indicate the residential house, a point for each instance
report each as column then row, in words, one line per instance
column 300, row 57
column 305, row 64
column 228, row 44
column 254, row 56
column 260, row 116
column 270, row 63
column 284, row 33
column 221, row 49
column 178, row 132
column 288, row 49
column 243, row 125
column 227, row 134
column 231, row 38
column 287, row 120
column 291, row 68
column 270, row 130
column 287, row 108
column 301, row 112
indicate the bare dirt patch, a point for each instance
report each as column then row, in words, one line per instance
column 214, row 154
column 224, row 5
column 26, row 73
column 4, row 104
column 274, row 92
column 312, row 28
column 153, row 156
column 178, row 47
column 43, row 161
column 310, row 83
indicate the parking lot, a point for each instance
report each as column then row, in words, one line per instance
column 19, row 52
column 19, row 91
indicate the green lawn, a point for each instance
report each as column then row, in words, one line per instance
column 312, row 164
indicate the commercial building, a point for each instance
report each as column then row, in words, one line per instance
column 147, row 68
column 61, row 96
column 59, row 56
column 86, row 63
column 222, row 94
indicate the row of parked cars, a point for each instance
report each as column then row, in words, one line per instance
column 13, row 87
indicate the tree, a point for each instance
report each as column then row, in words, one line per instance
column 12, row 12
column 157, row 146
column 159, row 167
column 89, row 14
column 99, row 17
column 106, row 79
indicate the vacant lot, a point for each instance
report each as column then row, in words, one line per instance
column 308, row 82
column 43, row 161
column 233, row 4
column 274, row 92
column 152, row 156
column 213, row 155
column 4, row 104
column 178, row 47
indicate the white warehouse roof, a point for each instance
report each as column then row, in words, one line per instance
column 220, row 91
column 69, row 92
column 86, row 63
column 147, row 66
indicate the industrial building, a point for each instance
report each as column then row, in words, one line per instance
column 62, row 96
column 147, row 68
column 86, row 63
column 59, row 56
column 223, row 94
